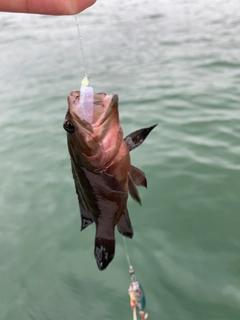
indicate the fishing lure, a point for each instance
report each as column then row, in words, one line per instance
column 137, row 297
column 86, row 101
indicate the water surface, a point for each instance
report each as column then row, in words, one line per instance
column 175, row 63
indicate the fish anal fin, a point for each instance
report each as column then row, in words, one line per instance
column 138, row 176
column 132, row 189
column 124, row 225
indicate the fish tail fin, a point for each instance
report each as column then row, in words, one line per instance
column 104, row 252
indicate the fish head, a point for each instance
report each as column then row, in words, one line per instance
column 94, row 143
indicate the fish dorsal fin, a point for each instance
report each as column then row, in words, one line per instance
column 138, row 176
column 136, row 138
column 124, row 225
column 133, row 190
column 86, row 218
column 86, row 221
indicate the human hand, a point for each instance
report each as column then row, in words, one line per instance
column 53, row 7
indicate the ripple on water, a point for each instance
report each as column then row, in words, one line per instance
column 175, row 65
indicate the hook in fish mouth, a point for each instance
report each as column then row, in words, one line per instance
column 101, row 108
column 104, row 252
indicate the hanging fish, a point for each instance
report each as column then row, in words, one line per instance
column 102, row 170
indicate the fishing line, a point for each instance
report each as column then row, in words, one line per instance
column 126, row 251
column 81, row 47
column 135, row 291
column 86, row 92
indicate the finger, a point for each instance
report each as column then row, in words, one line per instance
column 53, row 7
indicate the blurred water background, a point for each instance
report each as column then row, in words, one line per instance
column 172, row 62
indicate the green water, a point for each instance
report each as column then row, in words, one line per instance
column 175, row 63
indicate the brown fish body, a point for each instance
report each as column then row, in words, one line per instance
column 102, row 171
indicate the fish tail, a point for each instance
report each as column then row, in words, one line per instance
column 104, row 252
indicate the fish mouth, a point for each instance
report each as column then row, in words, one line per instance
column 103, row 105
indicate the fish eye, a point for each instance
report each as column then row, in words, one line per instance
column 68, row 126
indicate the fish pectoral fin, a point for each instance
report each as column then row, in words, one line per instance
column 124, row 225
column 136, row 138
column 133, row 190
column 86, row 218
column 112, row 183
column 138, row 176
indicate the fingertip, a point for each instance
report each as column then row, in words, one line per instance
column 77, row 6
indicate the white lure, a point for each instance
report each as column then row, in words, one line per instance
column 86, row 101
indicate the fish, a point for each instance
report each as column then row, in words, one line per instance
column 102, row 170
